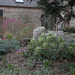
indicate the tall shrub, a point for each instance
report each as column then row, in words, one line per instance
column 16, row 27
column 49, row 47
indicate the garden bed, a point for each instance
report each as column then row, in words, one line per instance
column 17, row 62
column 49, row 55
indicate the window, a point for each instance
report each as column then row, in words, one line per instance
column 1, row 17
column 1, row 13
column 19, row 1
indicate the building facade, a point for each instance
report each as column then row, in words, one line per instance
column 28, row 12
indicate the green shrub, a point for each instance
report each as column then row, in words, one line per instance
column 72, row 70
column 67, row 65
column 69, row 29
column 71, row 48
column 11, row 66
column 9, row 46
column 47, row 63
column 1, row 57
column 9, row 36
column 49, row 47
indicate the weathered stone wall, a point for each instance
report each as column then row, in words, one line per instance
column 28, row 16
column 32, row 15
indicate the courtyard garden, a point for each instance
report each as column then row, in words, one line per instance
column 48, row 55
column 52, row 53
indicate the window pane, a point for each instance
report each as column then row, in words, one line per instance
column 19, row 1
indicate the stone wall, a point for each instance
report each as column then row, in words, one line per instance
column 29, row 16
column 23, row 13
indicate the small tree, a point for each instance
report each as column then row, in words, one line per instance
column 55, row 7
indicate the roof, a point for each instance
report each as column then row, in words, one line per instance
column 14, row 3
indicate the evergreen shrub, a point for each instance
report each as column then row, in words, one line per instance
column 9, row 46
column 69, row 29
column 49, row 46
column 71, row 48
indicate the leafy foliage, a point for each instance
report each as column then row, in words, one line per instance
column 71, row 48
column 10, row 66
column 24, row 71
column 72, row 70
column 57, row 11
column 49, row 47
column 54, row 7
column 67, row 65
column 69, row 29
column 9, row 36
column 9, row 46
column 17, row 27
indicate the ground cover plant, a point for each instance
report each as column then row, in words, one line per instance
column 27, row 66
column 9, row 46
